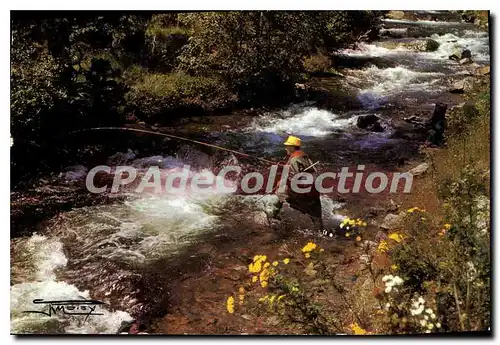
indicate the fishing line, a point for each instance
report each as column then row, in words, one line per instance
column 176, row 137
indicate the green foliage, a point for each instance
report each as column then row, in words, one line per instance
column 260, row 53
column 317, row 63
column 163, row 93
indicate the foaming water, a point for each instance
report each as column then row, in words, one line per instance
column 422, row 22
column 391, row 81
column 309, row 121
column 36, row 259
column 476, row 42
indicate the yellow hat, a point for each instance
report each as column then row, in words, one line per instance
column 293, row 141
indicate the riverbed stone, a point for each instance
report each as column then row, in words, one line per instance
column 463, row 85
column 485, row 70
column 466, row 54
column 392, row 221
column 369, row 122
column 465, row 61
column 419, row 170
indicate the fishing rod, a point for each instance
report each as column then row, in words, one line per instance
column 176, row 137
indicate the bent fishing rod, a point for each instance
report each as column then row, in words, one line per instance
column 175, row 137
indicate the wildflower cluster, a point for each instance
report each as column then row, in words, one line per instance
column 425, row 316
column 357, row 329
column 309, row 248
column 444, row 230
column 391, row 282
column 384, row 246
column 351, row 226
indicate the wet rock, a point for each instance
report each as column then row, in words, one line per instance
column 260, row 218
column 396, row 15
column 422, row 45
column 454, row 57
column 431, row 45
column 483, row 70
column 419, row 170
column 392, row 221
column 466, row 54
column 463, row 85
column 369, row 122
column 74, row 173
column 465, row 61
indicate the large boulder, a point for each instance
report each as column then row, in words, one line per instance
column 369, row 122
column 462, row 86
column 395, row 15
column 485, row 70
column 466, row 53
column 392, row 221
column 465, row 61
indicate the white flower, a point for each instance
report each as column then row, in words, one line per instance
column 433, row 316
column 427, row 331
column 341, row 225
column 397, row 280
column 388, row 289
column 386, row 278
column 430, row 326
column 428, row 311
column 421, row 300
column 423, row 322
column 426, row 317
column 387, row 306
column 438, row 325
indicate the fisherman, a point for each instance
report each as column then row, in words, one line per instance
column 308, row 203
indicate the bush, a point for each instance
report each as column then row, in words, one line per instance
column 163, row 93
column 317, row 63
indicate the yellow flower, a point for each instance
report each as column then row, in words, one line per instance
column 267, row 264
column 358, row 238
column 413, row 209
column 263, row 284
column 254, row 279
column 262, row 299
column 383, row 246
column 294, row 289
column 307, row 255
column 447, row 226
column 230, row 304
column 286, row 261
column 394, row 267
column 357, row 329
column 281, row 297
column 271, row 300
column 264, row 275
column 309, row 247
column 275, row 263
column 347, row 234
column 396, row 237
column 256, row 266
column 364, row 224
